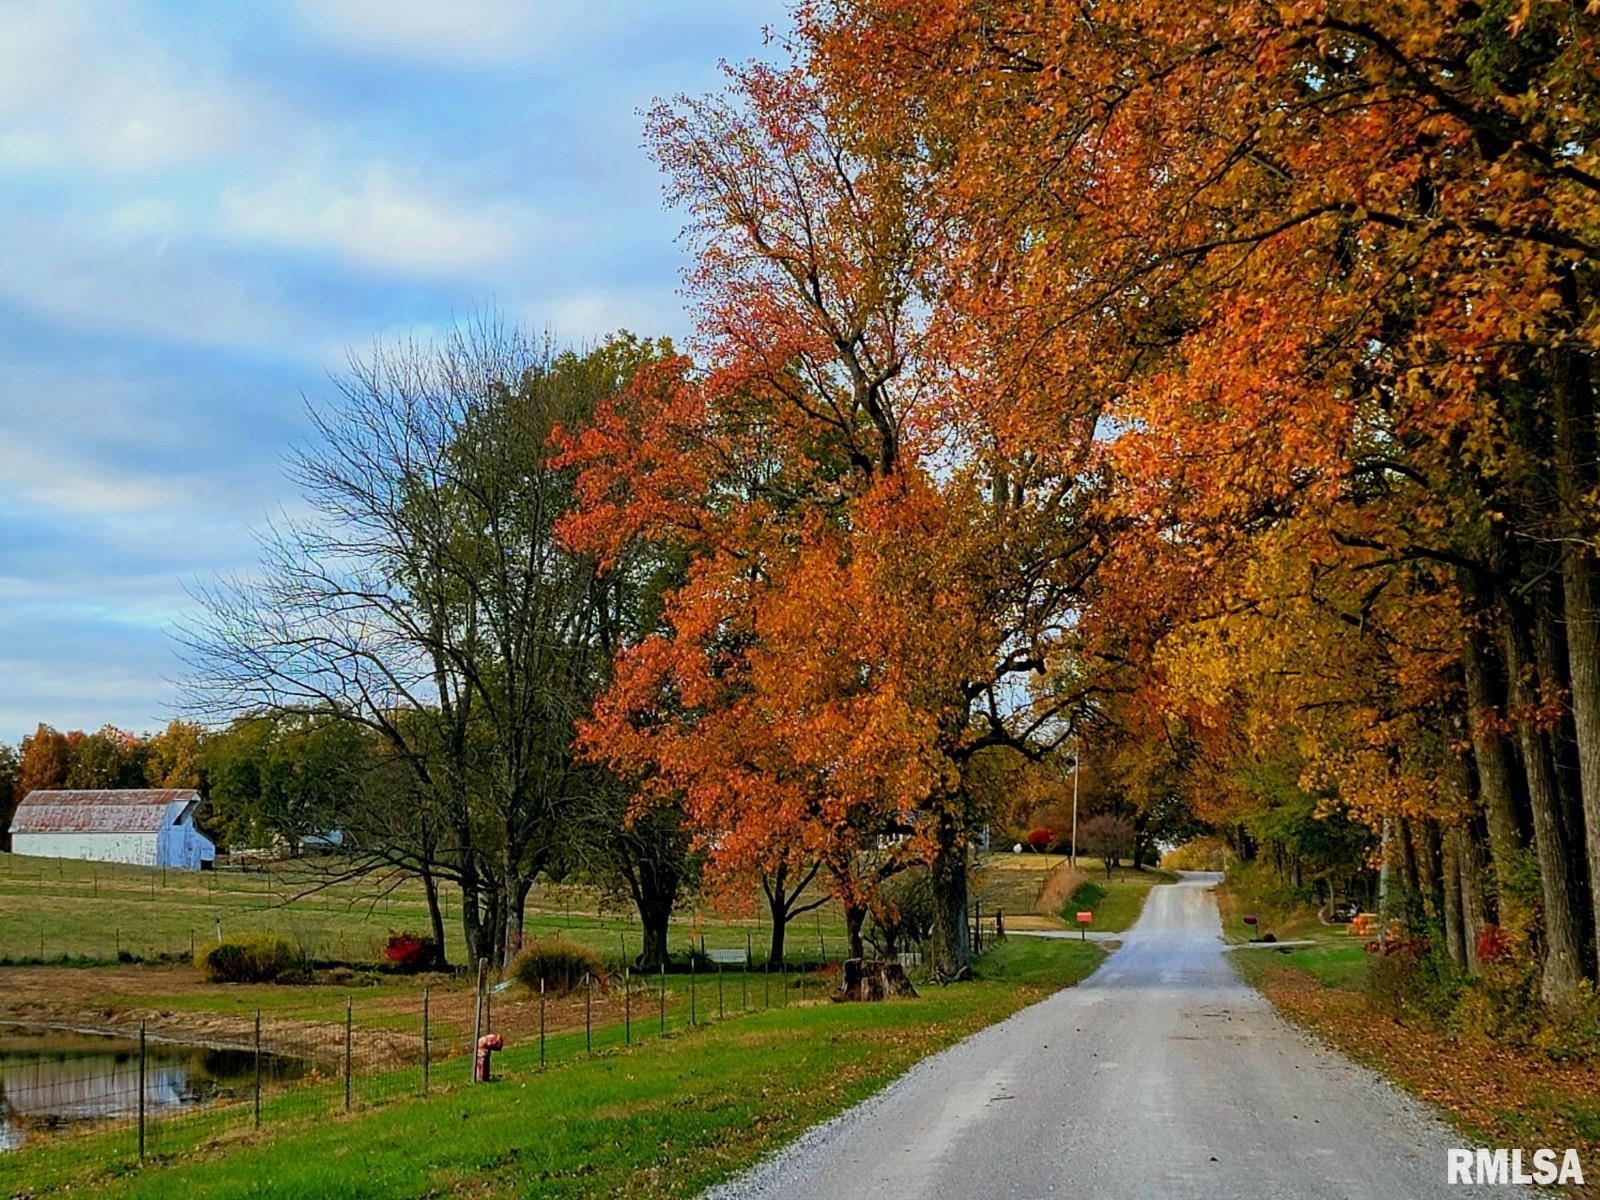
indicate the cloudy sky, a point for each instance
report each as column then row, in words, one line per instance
column 205, row 207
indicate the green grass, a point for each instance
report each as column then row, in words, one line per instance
column 667, row 1117
column 80, row 913
column 1116, row 901
column 1341, row 965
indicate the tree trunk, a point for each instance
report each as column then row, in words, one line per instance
column 653, row 951
column 1558, row 982
column 430, row 888
column 950, row 946
column 855, row 917
column 1474, row 914
column 1455, row 938
column 1496, row 789
column 1574, row 412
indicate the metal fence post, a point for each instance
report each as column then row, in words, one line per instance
column 719, row 992
column 541, row 1022
column 692, row 973
column 588, row 1011
column 349, row 1024
column 477, row 1022
column 663, row 995
column 258, row 1068
column 627, row 1010
column 141, row 1090
column 425, row 1051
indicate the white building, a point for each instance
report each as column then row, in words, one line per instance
column 152, row 828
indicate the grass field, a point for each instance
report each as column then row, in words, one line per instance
column 665, row 1118
column 58, row 909
column 1117, row 900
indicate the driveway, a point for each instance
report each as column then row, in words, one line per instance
column 1160, row 1075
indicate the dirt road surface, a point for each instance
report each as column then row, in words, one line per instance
column 1161, row 1075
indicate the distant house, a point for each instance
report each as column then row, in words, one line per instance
column 149, row 827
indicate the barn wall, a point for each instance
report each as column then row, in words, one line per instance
column 138, row 848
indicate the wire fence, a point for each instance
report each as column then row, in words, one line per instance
column 75, row 1103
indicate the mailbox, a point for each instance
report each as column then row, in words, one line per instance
column 1250, row 920
column 1085, row 917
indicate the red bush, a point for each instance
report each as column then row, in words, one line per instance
column 1493, row 944
column 1039, row 840
column 409, row 951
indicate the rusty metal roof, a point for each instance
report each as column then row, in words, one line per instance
column 134, row 810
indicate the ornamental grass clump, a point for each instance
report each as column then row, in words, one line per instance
column 560, row 963
column 252, row 958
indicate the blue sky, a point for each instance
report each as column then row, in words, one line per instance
column 204, row 208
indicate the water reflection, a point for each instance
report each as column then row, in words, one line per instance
column 50, row 1080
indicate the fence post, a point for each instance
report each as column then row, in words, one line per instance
column 766, row 984
column 349, row 1024
column 692, row 974
column 627, row 1010
column 258, row 1068
column 541, row 1023
column 141, row 1090
column 719, row 991
column 426, row 1065
column 477, row 1022
column 663, row 995
column 588, row 1011
column 744, row 986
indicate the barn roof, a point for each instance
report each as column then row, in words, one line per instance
column 136, row 810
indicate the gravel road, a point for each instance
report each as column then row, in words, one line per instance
column 1160, row 1075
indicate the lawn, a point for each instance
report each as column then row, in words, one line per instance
column 666, row 1117
column 63, row 910
column 1115, row 900
column 1341, row 965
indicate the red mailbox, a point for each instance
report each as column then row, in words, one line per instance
column 1083, row 924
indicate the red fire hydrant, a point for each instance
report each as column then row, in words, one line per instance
column 487, row 1045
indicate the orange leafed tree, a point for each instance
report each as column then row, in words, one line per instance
column 880, row 571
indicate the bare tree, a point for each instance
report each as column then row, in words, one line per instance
column 424, row 597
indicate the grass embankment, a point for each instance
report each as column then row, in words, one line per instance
column 65, row 911
column 665, row 1118
column 1498, row 1095
column 1116, row 900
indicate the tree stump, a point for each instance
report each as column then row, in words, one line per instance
column 873, row 979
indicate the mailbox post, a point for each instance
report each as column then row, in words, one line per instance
column 1083, row 924
column 1250, row 920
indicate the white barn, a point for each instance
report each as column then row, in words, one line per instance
column 148, row 827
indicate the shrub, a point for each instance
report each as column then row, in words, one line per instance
column 561, row 964
column 1085, row 896
column 902, row 914
column 410, row 951
column 251, row 958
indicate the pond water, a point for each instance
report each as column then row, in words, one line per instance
column 51, row 1080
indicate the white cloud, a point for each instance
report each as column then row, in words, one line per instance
column 464, row 32
column 374, row 220
column 80, row 87
column 89, row 271
column 593, row 313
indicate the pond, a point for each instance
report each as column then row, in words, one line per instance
column 51, row 1080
